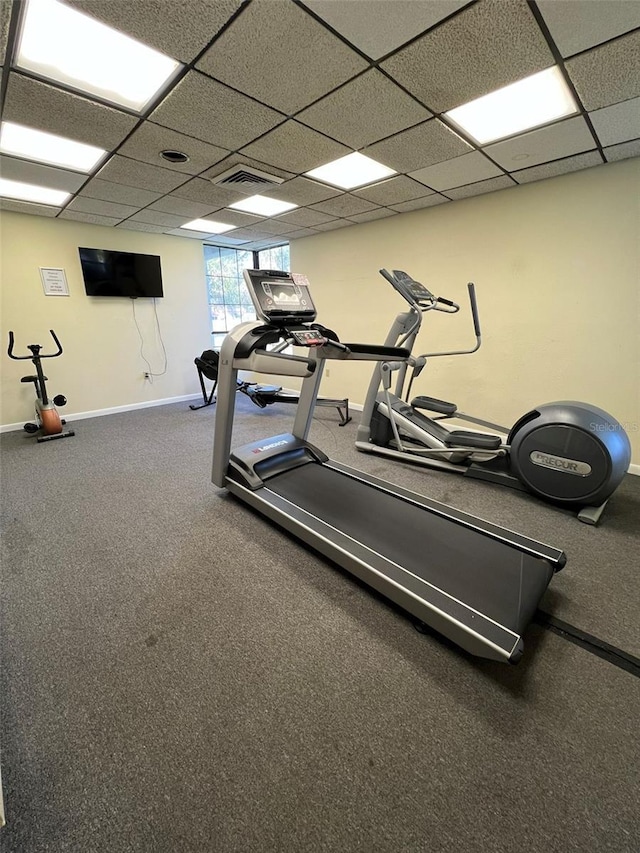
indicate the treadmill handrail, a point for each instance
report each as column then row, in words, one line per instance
column 278, row 363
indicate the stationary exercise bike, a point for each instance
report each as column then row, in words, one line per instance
column 566, row 452
column 48, row 421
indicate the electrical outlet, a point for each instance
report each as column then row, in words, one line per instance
column 147, row 375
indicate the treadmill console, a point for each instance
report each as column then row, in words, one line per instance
column 411, row 289
column 280, row 297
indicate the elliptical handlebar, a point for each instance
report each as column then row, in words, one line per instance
column 474, row 308
column 36, row 347
column 452, row 307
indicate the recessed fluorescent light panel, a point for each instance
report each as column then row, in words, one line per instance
column 536, row 100
column 62, row 44
column 262, row 205
column 47, row 148
column 354, row 170
column 208, row 226
column 31, row 192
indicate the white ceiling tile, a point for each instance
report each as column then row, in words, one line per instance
column 303, row 191
column 486, row 46
column 5, row 17
column 40, row 175
column 344, row 205
column 302, row 232
column 418, row 147
column 419, row 203
column 236, row 218
column 296, row 68
column 91, row 218
column 444, row 51
column 149, row 140
column 305, row 217
column 623, row 151
column 179, row 29
column 540, row 146
column 455, row 173
column 618, row 123
column 184, row 232
column 130, row 225
column 333, row 225
column 133, row 173
column 377, row 27
column 558, row 167
column 201, row 107
column 295, row 147
column 249, row 234
column 363, row 111
column 480, row 188
column 608, row 74
column 97, row 207
column 13, row 206
column 44, row 107
column 225, row 240
column 181, row 207
column 370, row 215
column 576, row 25
column 156, row 217
column 108, row 191
column 276, row 226
column 393, row 191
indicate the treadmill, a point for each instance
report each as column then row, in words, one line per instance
column 474, row 582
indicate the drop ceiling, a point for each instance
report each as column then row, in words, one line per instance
column 284, row 86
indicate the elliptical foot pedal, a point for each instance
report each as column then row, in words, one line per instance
column 478, row 440
column 431, row 404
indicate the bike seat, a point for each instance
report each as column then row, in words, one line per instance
column 31, row 379
column 479, row 440
column 433, row 405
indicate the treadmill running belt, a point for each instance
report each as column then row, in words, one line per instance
column 493, row 577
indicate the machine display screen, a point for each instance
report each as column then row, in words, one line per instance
column 279, row 295
column 282, row 294
column 409, row 285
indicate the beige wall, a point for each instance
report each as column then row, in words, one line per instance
column 557, row 270
column 101, row 366
column 556, row 264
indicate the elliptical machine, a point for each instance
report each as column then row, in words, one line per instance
column 48, row 421
column 566, row 452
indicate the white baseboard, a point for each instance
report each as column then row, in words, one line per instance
column 113, row 410
column 634, row 469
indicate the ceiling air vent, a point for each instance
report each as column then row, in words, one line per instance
column 247, row 179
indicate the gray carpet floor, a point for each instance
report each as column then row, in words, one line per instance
column 179, row 675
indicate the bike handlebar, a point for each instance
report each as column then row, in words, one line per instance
column 31, row 346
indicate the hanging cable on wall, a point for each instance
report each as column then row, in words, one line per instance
column 150, row 372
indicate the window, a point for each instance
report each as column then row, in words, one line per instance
column 274, row 259
column 229, row 300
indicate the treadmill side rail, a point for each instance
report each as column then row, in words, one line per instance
column 452, row 618
column 554, row 556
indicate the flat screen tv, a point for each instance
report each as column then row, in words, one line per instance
column 108, row 273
